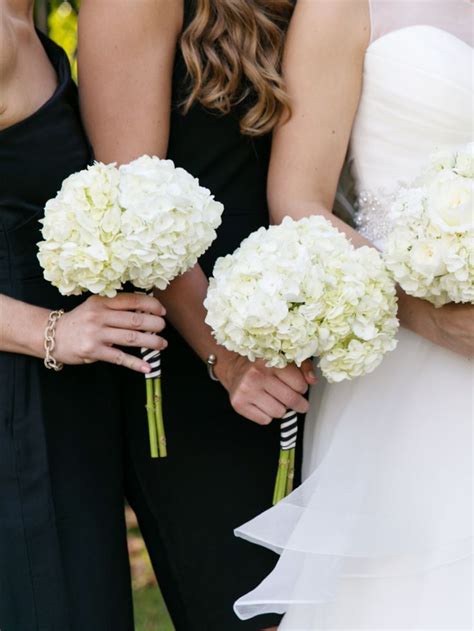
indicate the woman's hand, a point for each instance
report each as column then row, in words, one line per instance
column 256, row 392
column 451, row 326
column 262, row 394
column 90, row 332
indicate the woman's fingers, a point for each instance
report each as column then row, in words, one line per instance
column 269, row 405
column 123, row 337
column 135, row 321
column 292, row 377
column 253, row 413
column 120, row 358
column 307, row 369
column 286, row 396
column 136, row 302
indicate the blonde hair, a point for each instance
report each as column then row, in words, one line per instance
column 233, row 50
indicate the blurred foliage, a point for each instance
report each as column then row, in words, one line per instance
column 61, row 25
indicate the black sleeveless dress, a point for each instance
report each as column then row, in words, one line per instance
column 221, row 467
column 63, row 556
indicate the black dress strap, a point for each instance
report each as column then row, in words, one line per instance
column 57, row 57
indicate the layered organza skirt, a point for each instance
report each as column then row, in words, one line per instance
column 379, row 536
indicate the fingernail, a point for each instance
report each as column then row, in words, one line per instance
column 146, row 369
column 164, row 344
column 312, row 375
column 163, row 312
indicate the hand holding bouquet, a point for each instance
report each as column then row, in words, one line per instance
column 145, row 222
column 431, row 248
column 300, row 290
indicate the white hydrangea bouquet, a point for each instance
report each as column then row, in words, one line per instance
column 298, row 290
column 430, row 249
column 145, row 222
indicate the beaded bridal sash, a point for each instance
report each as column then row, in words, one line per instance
column 372, row 214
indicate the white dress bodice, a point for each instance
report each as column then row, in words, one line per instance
column 412, row 103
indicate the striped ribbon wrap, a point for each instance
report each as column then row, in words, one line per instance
column 286, row 465
column 154, row 359
column 154, row 405
column 289, row 431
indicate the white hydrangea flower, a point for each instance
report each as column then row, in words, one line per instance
column 146, row 223
column 459, row 160
column 79, row 225
column 299, row 290
column 168, row 222
column 431, row 248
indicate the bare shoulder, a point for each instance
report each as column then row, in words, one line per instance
column 346, row 23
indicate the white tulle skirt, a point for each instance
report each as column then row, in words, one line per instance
column 379, row 536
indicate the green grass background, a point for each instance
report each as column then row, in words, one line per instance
column 150, row 611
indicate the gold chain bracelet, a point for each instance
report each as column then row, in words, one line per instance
column 50, row 341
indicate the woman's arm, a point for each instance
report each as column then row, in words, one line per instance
column 323, row 62
column 125, row 76
column 88, row 333
column 323, row 66
column 126, row 57
column 22, row 327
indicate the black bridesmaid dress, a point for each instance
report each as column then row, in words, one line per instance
column 63, row 555
column 221, row 467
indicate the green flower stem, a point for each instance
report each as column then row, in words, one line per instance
column 160, row 426
column 150, row 411
column 285, row 462
column 291, row 472
column 282, row 476
column 277, row 486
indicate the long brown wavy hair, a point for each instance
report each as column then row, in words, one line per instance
column 233, row 50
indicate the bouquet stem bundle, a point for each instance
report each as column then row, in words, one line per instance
column 286, row 463
column 154, row 405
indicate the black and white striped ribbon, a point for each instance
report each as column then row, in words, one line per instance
column 289, row 431
column 154, row 359
column 150, row 356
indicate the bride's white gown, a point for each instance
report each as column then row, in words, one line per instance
column 379, row 536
